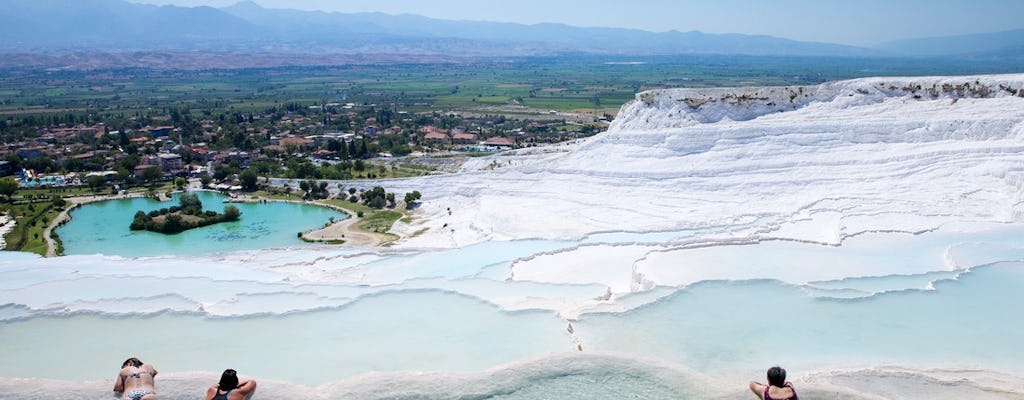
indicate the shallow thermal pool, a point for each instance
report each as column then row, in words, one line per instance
column 521, row 320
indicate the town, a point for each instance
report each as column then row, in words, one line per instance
column 324, row 141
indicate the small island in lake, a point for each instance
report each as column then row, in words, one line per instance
column 187, row 215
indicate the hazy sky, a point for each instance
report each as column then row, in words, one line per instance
column 856, row 22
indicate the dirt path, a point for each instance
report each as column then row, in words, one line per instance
column 345, row 231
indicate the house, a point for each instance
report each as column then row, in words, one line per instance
column 300, row 143
column 241, row 157
column 28, row 153
column 273, row 148
column 435, row 138
column 202, row 153
column 501, row 142
column 84, row 156
column 324, row 154
column 169, row 162
column 464, row 138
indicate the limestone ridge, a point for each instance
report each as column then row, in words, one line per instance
column 676, row 108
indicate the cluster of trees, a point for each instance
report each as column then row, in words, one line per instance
column 8, row 187
column 377, row 198
column 412, row 197
column 314, row 189
column 188, row 214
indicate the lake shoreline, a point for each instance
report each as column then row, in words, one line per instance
column 340, row 232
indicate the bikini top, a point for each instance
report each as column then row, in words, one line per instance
column 767, row 397
column 221, row 396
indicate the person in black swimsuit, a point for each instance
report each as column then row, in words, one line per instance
column 777, row 388
column 229, row 389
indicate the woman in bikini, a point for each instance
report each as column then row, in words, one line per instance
column 230, row 389
column 135, row 381
column 777, row 388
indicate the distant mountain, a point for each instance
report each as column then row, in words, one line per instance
column 541, row 38
column 1007, row 43
column 62, row 26
column 111, row 25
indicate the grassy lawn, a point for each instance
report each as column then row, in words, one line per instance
column 32, row 219
column 373, row 220
column 34, row 209
column 379, row 221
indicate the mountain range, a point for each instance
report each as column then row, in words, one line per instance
column 117, row 25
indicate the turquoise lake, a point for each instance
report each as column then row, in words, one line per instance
column 102, row 228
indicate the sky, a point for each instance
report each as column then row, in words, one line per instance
column 853, row 22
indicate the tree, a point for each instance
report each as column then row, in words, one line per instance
column 334, row 145
column 152, row 173
column 249, row 180
column 130, row 162
column 123, row 174
column 172, row 224
column 96, row 182
column 8, row 187
column 205, row 179
column 231, row 213
column 190, row 204
column 352, row 152
column 140, row 220
column 363, row 152
column 180, row 182
column 412, row 196
column 376, row 197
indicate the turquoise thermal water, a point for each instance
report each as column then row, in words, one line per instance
column 432, row 312
column 722, row 329
column 102, row 228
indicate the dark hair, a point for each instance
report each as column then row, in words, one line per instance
column 135, row 362
column 777, row 376
column 228, row 380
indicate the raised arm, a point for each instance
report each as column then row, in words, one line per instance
column 758, row 389
column 247, row 388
